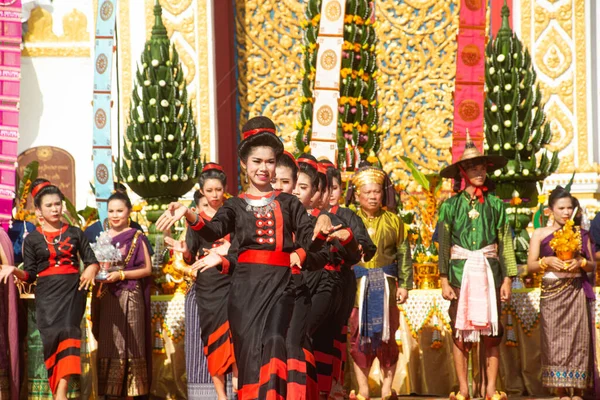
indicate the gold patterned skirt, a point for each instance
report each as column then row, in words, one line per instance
column 566, row 341
column 122, row 369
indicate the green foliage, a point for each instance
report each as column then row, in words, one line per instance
column 515, row 123
column 357, row 132
column 70, row 214
column 419, row 177
column 30, row 173
column 161, row 157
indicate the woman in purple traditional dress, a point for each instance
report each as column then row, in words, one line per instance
column 9, row 335
column 122, row 311
column 566, row 305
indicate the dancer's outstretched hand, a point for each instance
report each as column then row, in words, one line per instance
column 323, row 226
column 175, row 211
column 223, row 249
column 210, row 260
column 341, row 234
column 295, row 260
column 176, row 245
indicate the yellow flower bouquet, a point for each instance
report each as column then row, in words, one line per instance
column 567, row 241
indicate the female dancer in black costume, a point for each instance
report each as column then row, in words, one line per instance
column 209, row 296
column 323, row 272
column 267, row 225
column 51, row 255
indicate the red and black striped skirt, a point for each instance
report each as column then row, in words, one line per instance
column 261, row 301
column 60, row 306
column 212, row 294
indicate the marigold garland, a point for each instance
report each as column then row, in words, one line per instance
column 567, row 239
column 358, row 133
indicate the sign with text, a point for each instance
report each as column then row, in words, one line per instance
column 56, row 165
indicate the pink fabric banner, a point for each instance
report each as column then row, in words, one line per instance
column 470, row 60
column 10, row 82
column 470, row 76
column 472, row 13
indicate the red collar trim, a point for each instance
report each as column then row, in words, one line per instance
column 51, row 234
column 254, row 197
column 205, row 216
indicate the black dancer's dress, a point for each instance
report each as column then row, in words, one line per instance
column 261, row 296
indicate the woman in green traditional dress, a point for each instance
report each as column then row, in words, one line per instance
column 566, row 305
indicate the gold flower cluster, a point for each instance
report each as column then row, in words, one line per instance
column 567, row 239
column 427, row 257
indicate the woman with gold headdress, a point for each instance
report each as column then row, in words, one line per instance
column 476, row 263
column 382, row 281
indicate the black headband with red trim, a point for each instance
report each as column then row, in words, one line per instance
column 253, row 132
column 291, row 156
column 212, row 166
column 308, row 161
column 39, row 187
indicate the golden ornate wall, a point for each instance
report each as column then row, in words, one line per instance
column 417, row 43
column 417, row 48
column 268, row 36
column 555, row 33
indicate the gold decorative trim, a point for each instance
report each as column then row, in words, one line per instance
column 125, row 66
column 55, row 51
column 41, row 41
column 204, row 74
column 269, row 62
column 554, row 55
column 581, row 94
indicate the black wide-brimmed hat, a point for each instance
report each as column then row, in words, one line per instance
column 472, row 154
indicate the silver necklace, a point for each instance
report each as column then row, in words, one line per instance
column 262, row 205
column 56, row 240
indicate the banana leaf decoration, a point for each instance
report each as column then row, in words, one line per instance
column 70, row 214
column 30, row 174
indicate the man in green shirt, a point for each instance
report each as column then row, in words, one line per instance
column 476, row 264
